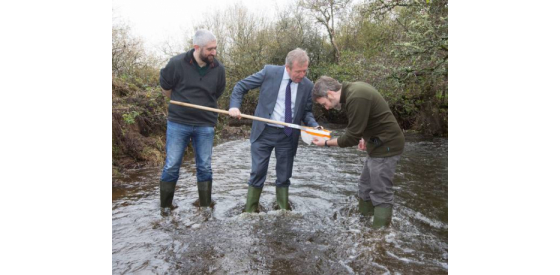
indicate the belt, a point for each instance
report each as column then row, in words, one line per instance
column 275, row 126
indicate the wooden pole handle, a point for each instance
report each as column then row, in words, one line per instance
column 227, row 113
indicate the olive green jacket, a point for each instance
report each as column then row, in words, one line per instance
column 370, row 118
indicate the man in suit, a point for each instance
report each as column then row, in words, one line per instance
column 285, row 95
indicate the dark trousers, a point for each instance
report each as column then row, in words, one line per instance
column 376, row 181
column 261, row 149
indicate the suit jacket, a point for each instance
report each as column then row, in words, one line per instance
column 269, row 80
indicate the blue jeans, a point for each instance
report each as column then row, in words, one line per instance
column 178, row 137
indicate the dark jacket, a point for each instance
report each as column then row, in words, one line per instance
column 269, row 80
column 370, row 118
column 182, row 77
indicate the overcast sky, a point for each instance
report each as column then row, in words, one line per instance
column 168, row 20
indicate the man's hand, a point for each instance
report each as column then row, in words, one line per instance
column 362, row 145
column 318, row 128
column 319, row 142
column 234, row 112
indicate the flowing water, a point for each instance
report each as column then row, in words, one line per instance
column 324, row 234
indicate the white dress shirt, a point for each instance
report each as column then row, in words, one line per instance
column 280, row 107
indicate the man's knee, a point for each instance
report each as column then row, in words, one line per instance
column 364, row 195
column 170, row 174
column 257, row 180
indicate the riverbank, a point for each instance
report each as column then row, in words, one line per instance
column 155, row 145
column 139, row 123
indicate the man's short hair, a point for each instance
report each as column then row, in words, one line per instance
column 203, row 37
column 298, row 56
column 323, row 85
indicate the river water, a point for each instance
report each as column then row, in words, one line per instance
column 324, row 234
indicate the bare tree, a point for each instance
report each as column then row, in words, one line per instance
column 126, row 51
column 324, row 12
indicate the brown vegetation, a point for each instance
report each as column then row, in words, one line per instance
column 138, row 122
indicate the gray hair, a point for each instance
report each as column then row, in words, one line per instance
column 203, row 37
column 323, row 85
column 298, row 55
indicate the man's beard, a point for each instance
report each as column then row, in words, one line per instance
column 207, row 58
column 337, row 107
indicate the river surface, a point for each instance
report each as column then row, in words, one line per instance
column 324, row 234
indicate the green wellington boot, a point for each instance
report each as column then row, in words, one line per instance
column 382, row 216
column 205, row 193
column 365, row 207
column 253, row 196
column 282, row 198
column 166, row 191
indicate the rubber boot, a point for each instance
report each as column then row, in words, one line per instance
column 205, row 193
column 282, row 198
column 253, row 196
column 166, row 192
column 382, row 216
column 365, row 207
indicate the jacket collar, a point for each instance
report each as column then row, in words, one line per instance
column 343, row 92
